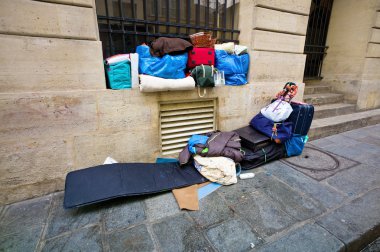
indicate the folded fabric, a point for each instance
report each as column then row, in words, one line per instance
column 163, row 45
column 228, row 47
column 134, row 57
column 240, row 49
column 117, row 58
column 221, row 170
column 155, row 84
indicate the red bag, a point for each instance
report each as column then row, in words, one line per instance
column 199, row 56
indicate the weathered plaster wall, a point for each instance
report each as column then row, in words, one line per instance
column 56, row 115
column 352, row 61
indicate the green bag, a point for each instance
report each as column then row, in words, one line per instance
column 204, row 77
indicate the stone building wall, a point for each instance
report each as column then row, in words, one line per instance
column 57, row 115
column 352, row 63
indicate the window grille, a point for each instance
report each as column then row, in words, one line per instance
column 124, row 24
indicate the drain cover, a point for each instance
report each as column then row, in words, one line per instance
column 318, row 163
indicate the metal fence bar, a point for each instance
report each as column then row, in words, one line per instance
column 134, row 24
column 178, row 14
column 167, row 15
column 109, row 31
column 122, row 25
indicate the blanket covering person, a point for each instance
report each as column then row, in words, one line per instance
column 226, row 144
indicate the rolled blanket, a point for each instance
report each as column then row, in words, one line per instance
column 155, row 84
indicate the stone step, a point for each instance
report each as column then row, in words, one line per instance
column 325, row 98
column 317, row 89
column 335, row 109
column 333, row 125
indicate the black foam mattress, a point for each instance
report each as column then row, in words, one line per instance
column 105, row 182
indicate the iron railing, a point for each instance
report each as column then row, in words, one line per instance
column 315, row 44
column 124, row 24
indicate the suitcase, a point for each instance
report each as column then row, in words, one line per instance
column 199, row 56
column 252, row 139
column 269, row 153
column 302, row 116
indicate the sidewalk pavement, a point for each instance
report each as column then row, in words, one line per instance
column 319, row 201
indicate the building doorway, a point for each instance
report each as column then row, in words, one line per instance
column 315, row 43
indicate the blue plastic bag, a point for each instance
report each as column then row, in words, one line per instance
column 235, row 67
column 294, row 146
column 168, row 66
column 119, row 74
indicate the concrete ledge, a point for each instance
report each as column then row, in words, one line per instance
column 32, row 64
column 292, row 6
column 277, row 21
column 278, row 42
column 276, row 67
column 373, row 50
column 25, row 17
column 84, row 3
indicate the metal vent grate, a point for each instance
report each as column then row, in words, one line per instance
column 180, row 120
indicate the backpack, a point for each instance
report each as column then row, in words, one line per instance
column 204, row 77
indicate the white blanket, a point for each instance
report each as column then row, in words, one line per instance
column 155, row 84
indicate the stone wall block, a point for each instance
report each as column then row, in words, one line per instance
column 32, row 64
column 373, row 50
column 85, row 3
column 377, row 22
column 293, row 6
column 25, row 17
column 277, row 21
column 369, row 94
column 279, row 42
column 124, row 110
column 33, row 167
column 247, row 14
column 276, row 67
column 131, row 145
column 38, row 115
column 375, row 36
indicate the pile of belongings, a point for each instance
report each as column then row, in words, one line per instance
column 177, row 64
column 278, row 131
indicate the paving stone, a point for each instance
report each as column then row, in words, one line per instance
column 300, row 207
column 353, row 151
column 342, row 140
column 236, row 193
column 123, row 213
column 160, row 206
column 25, row 214
column 373, row 247
column 264, row 215
column 322, row 142
column 233, row 235
column 63, row 220
column 356, row 180
column 133, row 239
column 212, row 209
column 25, row 240
column 86, row 239
column 310, row 237
column 318, row 164
column 327, row 196
column 179, row 233
column 357, row 223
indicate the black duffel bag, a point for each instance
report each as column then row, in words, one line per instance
column 253, row 159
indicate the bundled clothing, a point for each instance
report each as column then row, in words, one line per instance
column 226, row 144
column 163, row 45
column 216, row 169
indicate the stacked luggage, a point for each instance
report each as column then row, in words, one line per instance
column 279, row 130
